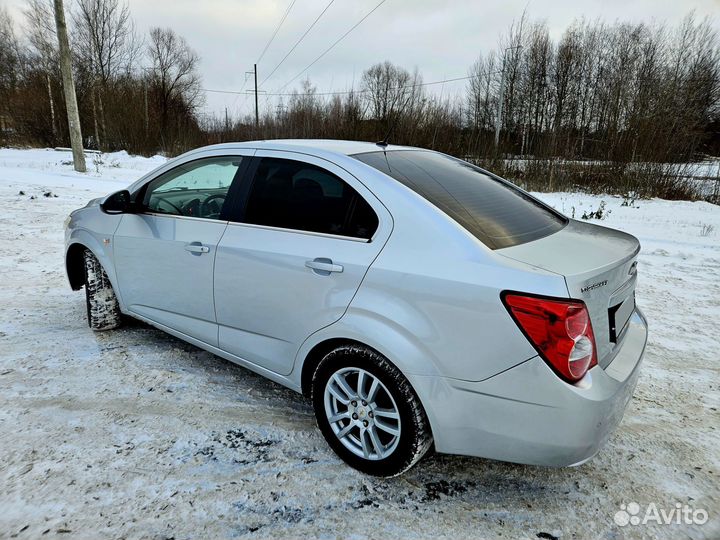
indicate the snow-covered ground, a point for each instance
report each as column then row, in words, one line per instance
column 134, row 434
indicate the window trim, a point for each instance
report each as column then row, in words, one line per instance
column 192, row 218
column 300, row 231
column 238, row 214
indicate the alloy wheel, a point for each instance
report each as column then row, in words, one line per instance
column 362, row 413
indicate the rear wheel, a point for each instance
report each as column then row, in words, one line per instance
column 368, row 412
column 103, row 311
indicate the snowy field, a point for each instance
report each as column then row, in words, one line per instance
column 134, row 434
column 703, row 176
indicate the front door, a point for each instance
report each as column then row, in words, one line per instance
column 308, row 235
column 164, row 254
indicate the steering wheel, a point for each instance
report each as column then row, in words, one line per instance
column 161, row 200
column 210, row 208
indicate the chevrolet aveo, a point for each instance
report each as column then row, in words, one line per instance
column 418, row 300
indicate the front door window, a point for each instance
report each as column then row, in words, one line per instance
column 195, row 189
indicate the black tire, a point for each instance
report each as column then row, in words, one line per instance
column 415, row 435
column 103, row 311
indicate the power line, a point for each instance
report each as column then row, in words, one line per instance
column 298, row 42
column 339, row 93
column 267, row 45
column 277, row 29
column 346, row 92
column 334, row 44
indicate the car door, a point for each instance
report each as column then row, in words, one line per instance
column 164, row 253
column 308, row 233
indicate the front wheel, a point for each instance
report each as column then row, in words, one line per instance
column 368, row 412
column 103, row 311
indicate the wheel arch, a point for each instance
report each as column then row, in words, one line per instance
column 368, row 329
column 80, row 241
column 74, row 265
column 400, row 355
column 316, row 354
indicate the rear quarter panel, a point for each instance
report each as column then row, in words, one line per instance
column 451, row 311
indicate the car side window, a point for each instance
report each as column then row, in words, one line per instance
column 195, row 189
column 296, row 195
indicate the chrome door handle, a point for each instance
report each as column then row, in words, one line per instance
column 323, row 266
column 196, row 247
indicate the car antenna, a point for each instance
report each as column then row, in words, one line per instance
column 384, row 142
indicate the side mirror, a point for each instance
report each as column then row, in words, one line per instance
column 117, row 203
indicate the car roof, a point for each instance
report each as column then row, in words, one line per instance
column 322, row 148
column 310, row 146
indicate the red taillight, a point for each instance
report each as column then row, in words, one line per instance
column 560, row 330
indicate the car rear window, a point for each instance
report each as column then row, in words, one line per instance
column 496, row 212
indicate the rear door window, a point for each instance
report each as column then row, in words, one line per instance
column 494, row 211
column 291, row 194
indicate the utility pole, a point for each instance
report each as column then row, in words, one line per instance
column 257, row 114
column 498, row 115
column 256, row 91
column 69, row 89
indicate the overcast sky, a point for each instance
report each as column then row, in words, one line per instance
column 441, row 38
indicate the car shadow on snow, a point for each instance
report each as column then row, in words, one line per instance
column 278, row 448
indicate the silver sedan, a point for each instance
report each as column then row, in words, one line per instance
column 419, row 301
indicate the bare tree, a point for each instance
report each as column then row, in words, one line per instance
column 69, row 88
column 174, row 71
column 9, row 54
column 483, row 76
column 563, row 74
column 41, row 35
column 40, row 27
column 392, row 93
column 106, row 46
column 386, row 87
column 306, row 111
column 9, row 68
column 105, row 37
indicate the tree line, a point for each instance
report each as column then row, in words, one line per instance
column 138, row 93
column 605, row 107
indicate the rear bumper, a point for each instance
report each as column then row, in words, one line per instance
column 529, row 415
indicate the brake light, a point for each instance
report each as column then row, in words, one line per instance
column 560, row 330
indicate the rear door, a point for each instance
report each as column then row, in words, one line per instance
column 294, row 258
column 164, row 254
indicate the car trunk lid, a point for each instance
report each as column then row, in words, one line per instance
column 599, row 267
